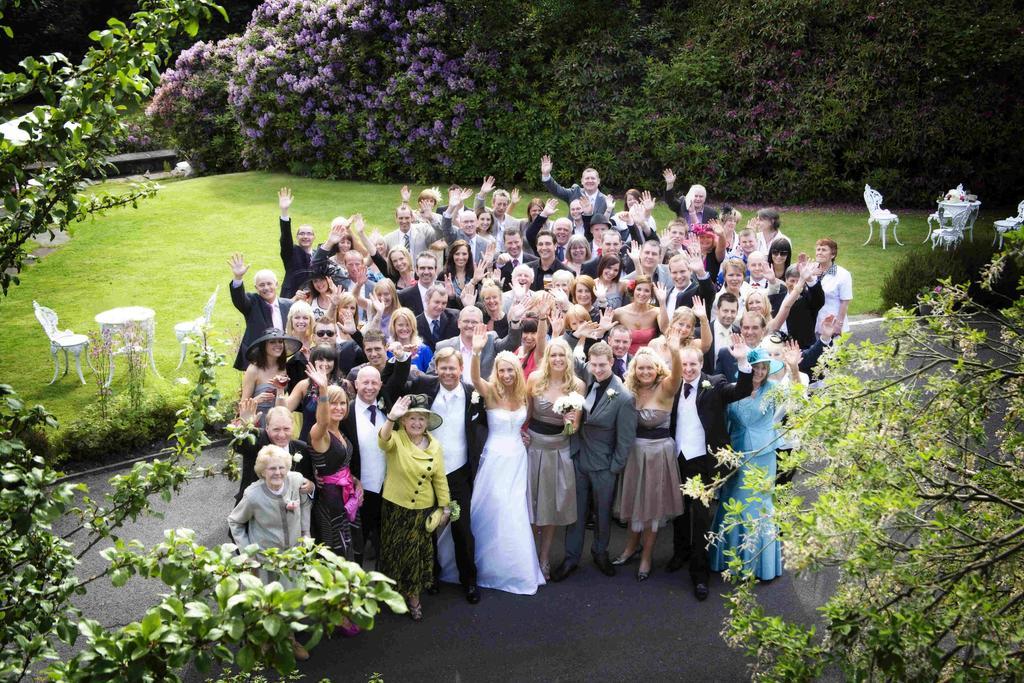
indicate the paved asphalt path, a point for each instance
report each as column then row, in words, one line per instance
column 589, row 627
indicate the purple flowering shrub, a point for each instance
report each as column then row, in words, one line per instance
column 771, row 102
column 139, row 134
column 192, row 104
column 359, row 88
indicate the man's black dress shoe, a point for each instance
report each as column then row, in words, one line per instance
column 472, row 595
column 562, row 571
column 701, row 591
column 604, row 564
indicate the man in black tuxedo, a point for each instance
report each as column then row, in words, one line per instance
column 437, row 322
column 278, row 432
column 262, row 311
column 513, row 257
column 698, row 424
column 297, row 258
column 367, row 413
column 463, row 435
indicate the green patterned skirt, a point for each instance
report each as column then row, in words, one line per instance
column 406, row 554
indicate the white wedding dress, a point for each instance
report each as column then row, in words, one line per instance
column 506, row 556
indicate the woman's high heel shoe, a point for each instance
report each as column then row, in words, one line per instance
column 624, row 559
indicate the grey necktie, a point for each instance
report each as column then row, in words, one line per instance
column 408, row 242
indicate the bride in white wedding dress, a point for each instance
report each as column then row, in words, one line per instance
column 506, row 555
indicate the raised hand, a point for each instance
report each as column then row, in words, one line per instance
column 488, row 185
column 377, row 305
column 556, row 320
column 673, row 343
column 518, row 310
column 514, row 197
column 238, row 265
column 284, row 201
column 648, row 202
column 698, row 308
column 545, row 165
column 600, row 290
column 792, row 355
column 347, row 322
column 479, row 337
column 634, row 251
column 359, row 277
column 828, row 326
column 810, row 270
column 406, row 194
column 670, row 178
column 586, row 329
column 468, row 296
column 338, row 231
column 801, row 258
column 397, row 349
column 400, row 408
column 301, row 295
column 696, row 263
column 716, row 226
column 638, row 213
column 357, row 223
column 739, row 348
column 660, row 293
column 559, row 297
column 586, row 205
column 607, row 319
column 247, row 409
column 318, row 377
column 550, row 207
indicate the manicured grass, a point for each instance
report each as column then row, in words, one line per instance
column 172, row 252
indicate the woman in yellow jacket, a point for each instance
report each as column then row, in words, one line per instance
column 414, row 484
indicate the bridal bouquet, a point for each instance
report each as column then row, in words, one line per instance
column 565, row 405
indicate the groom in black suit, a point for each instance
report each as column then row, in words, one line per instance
column 463, row 437
column 698, row 424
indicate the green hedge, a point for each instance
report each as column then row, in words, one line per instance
column 770, row 102
column 915, row 273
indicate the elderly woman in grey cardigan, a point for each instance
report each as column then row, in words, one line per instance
column 273, row 513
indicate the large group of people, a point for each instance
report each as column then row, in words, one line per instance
column 470, row 383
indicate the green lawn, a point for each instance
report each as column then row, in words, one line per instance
column 171, row 253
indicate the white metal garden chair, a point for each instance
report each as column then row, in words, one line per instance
column 186, row 331
column 1007, row 224
column 62, row 340
column 876, row 214
column 951, row 231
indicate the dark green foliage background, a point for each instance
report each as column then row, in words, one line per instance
column 779, row 101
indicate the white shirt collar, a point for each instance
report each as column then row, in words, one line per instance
column 457, row 392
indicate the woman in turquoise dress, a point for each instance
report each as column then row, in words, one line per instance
column 752, row 430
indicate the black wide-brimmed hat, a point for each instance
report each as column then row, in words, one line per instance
column 291, row 344
column 421, row 404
